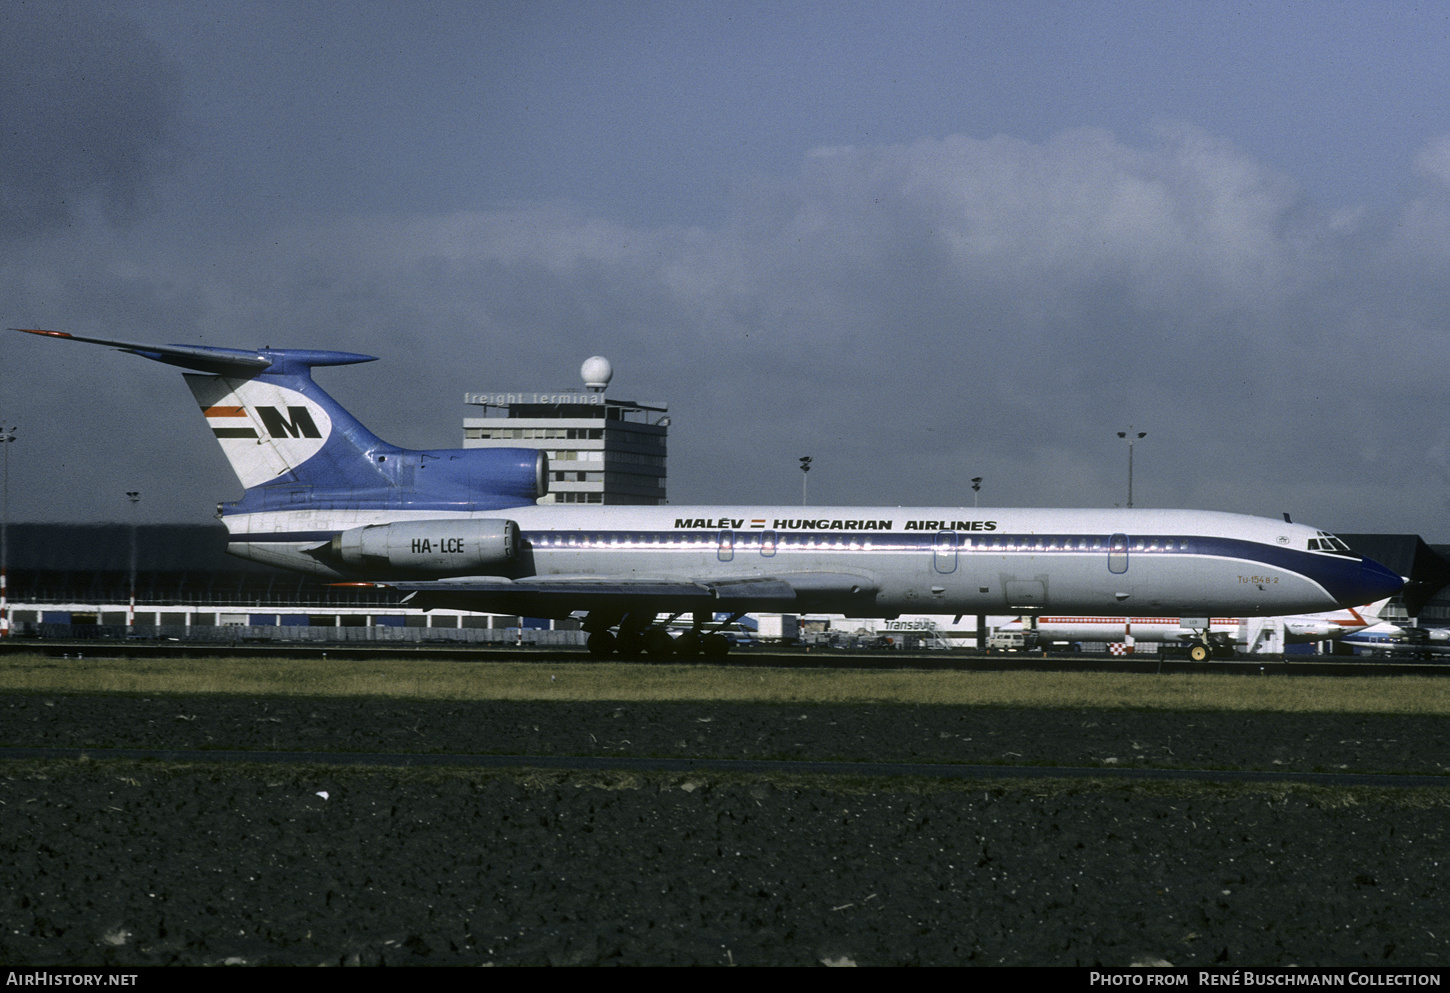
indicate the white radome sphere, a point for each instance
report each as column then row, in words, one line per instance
column 597, row 372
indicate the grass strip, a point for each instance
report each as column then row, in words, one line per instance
column 657, row 683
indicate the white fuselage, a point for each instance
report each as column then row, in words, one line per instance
column 908, row 560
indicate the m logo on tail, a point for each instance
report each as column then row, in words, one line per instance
column 300, row 424
column 297, row 423
column 265, row 428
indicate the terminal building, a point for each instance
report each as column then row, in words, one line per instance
column 600, row 449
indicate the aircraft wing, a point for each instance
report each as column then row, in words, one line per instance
column 559, row 596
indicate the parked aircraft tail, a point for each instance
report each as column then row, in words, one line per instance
column 1372, row 613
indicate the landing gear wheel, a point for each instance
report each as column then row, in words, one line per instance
column 601, row 643
column 658, row 644
column 629, row 643
column 715, row 646
column 1199, row 653
column 687, row 645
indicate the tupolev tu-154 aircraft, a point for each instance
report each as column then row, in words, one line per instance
column 460, row 528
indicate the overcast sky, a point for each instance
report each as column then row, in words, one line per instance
column 919, row 242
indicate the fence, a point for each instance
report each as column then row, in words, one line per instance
column 234, row 634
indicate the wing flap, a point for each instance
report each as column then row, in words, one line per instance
column 559, row 596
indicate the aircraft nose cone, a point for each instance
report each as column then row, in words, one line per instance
column 1376, row 582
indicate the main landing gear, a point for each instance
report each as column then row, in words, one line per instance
column 1209, row 646
column 636, row 634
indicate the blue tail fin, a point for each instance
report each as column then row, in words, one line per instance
column 294, row 447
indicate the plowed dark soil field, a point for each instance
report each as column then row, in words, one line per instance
column 112, row 862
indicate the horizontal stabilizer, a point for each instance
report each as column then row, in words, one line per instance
column 206, row 358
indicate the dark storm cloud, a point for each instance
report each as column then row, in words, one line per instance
column 905, row 308
column 925, row 312
column 89, row 115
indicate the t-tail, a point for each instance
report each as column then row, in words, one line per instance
column 295, row 448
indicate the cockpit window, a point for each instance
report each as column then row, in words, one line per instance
column 1326, row 542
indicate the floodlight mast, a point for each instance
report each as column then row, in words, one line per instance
column 1131, row 437
column 7, row 435
column 134, row 496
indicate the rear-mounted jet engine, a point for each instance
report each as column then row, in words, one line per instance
column 445, row 547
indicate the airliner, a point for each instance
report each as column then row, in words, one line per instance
column 461, row 529
column 1390, row 638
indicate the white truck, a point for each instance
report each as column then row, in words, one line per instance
column 778, row 628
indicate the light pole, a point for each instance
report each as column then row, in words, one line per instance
column 135, row 497
column 7, row 435
column 1131, row 437
column 976, row 488
column 805, row 468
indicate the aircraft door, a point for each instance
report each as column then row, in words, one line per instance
column 944, row 552
column 1118, row 554
column 1025, row 594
